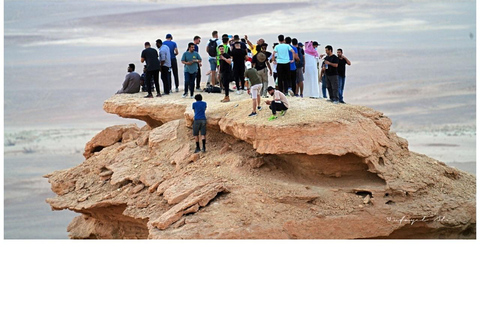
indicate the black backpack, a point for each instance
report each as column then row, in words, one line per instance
column 212, row 48
column 212, row 89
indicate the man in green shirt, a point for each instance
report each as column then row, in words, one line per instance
column 254, row 85
column 191, row 61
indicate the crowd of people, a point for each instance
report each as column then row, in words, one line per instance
column 297, row 69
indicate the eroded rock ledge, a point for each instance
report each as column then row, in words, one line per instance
column 322, row 171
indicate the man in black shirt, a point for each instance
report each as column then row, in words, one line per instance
column 342, row 62
column 331, row 72
column 238, row 55
column 225, row 70
column 150, row 55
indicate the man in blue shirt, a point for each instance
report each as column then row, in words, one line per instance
column 173, row 55
column 199, row 122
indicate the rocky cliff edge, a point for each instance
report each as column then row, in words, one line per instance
column 321, row 171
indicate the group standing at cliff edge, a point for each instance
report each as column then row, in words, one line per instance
column 298, row 70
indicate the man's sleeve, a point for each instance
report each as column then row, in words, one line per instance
column 276, row 96
column 127, row 80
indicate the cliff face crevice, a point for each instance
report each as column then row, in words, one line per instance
column 322, row 171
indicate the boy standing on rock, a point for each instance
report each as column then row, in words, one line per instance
column 199, row 121
column 279, row 103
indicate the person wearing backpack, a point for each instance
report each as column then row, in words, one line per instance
column 212, row 56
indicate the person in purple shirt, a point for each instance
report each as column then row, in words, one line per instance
column 173, row 55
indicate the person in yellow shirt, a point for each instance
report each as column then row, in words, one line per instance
column 253, row 48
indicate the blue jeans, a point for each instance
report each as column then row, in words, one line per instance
column 341, row 86
column 324, row 86
column 190, row 82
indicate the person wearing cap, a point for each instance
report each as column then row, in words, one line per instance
column 254, row 85
column 279, row 103
column 173, row 56
column 165, row 65
column 342, row 62
column 300, row 64
column 260, row 63
column 150, row 56
column 132, row 81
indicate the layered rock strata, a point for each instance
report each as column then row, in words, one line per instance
column 322, row 171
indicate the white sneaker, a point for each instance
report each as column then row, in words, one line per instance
column 290, row 92
column 239, row 92
column 184, row 95
column 191, row 97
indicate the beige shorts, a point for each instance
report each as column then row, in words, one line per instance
column 255, row 90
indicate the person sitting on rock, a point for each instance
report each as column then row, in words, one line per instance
column 199, row 121
column 279, row 103
column 254, row 85
column 132, row 81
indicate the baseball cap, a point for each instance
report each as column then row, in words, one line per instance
column 300, row 44
column 168, row 36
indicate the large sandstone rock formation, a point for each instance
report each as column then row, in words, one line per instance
column 322, row 171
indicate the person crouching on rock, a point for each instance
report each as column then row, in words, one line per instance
column 279, row 103
column 199, row 121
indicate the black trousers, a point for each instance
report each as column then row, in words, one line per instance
column 199, row 77
column 239, row 75
column 154, row 74
column 277, row 106
column 332, row 86
column 293, row 80
column 175, row 73
column 226, row 82
column 283, row 72
column 166, row 79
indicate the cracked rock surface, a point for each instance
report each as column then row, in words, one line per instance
column 323, row 171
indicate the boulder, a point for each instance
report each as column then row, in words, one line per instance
column 322, row 171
